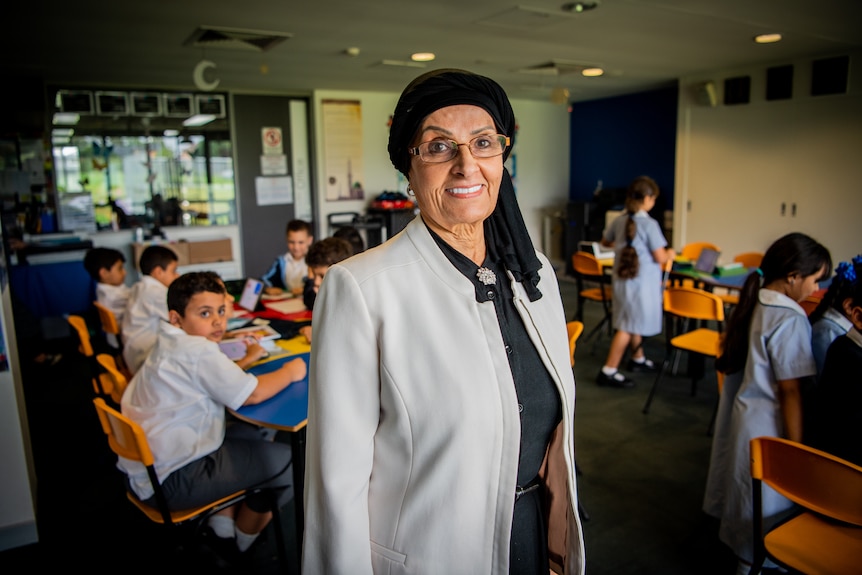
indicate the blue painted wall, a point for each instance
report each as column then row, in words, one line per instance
column 617, row 139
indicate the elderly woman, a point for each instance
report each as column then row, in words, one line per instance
column 441, row 395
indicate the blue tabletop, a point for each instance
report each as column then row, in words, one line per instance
column 288, row 410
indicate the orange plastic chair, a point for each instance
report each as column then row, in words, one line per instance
column 692, row 251
column 588, row 270
column 127, row 439
column 109, row 321
column 113, row 381
column 575, row 329
column 85, row 346
column 687, row 303
column 112, row 327
column 825, row 537
column 749, row 259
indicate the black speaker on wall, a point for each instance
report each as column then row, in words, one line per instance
column 737, row 90
column 779, row 82
column 829, row 76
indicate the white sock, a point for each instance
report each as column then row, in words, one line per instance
column 222, row 525
column 244, row 540
column 639, row 359
column 609, row 370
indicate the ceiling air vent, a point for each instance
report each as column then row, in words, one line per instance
column 235, row 38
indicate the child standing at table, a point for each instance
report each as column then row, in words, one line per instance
column 107, row 267
column 289, row 271
column 831, row 317
column 179, row 397
column 641, row 251
column 767, row 357
column 147, row 304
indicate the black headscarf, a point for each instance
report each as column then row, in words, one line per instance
column 505, row 228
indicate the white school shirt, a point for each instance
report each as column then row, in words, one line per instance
column 179, row 397
column 295, row 272
column 116, row 299
column 148, row 307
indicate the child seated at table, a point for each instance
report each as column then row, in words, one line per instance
column 179, row 397
column 831, row 317
column 289, row 271
column 837, row 420
column 147, row 304
column 107, row 268
column 321, row 256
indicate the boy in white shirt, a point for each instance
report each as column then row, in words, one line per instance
column 288, row 272
column 107, row 267
column 179, row 398
column 148, row 305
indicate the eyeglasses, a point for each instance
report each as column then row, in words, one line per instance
column 437, row 151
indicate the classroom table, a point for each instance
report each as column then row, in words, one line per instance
column 286, row 412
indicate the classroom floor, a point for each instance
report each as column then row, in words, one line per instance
column 641, row 484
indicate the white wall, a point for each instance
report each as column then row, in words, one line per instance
column 737, row 165
column 541, row 149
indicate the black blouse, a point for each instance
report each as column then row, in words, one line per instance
column 538, row 403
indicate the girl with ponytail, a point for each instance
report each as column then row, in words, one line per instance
column 641, row 251
column 768, row 360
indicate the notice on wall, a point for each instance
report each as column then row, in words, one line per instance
column 272, row 141
column 273, row 165
column 273, row 191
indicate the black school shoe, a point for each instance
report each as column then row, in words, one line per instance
column 615, row 380
column 647, row 366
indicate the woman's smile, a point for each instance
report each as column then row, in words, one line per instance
column 471, row 191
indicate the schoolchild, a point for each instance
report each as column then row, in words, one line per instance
column 179, row 397
column 831, row 317
column 147, row 304
column 837, row 423
column 107, row 268
column 321, row 256
column 289, row 271
column 641, row 251
column 767, row 359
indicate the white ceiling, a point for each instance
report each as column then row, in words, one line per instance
column 641, row 44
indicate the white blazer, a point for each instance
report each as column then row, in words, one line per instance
column 413, row 426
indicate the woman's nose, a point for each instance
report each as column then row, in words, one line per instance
column 464, row 161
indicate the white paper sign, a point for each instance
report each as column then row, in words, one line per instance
column 272, row 141
column 273, row 165
column 273, row 191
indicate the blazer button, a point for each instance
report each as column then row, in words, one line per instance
column 491, row 294
column 520, row 408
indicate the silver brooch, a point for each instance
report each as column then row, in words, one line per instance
column 486, row 276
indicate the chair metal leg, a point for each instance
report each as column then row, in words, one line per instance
column 661, row 370
column 279, row 533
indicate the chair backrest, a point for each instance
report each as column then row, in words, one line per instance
column 689, row 302
column 80, row 327
column 692, row 251
column 812, row 478
column 113, row 382
column 125, row 437
column 586, row 264
column 108, row 319
column 575, row 329
column 749, row 259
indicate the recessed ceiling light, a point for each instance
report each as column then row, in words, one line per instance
column 592, row 72
column 423, row 56
column 171, row 133
column 578, row 6
column 767, row 38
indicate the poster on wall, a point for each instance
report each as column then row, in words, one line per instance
column 342, row 140
column 273, row 191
